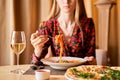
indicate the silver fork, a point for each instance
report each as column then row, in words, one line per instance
column 50, row 36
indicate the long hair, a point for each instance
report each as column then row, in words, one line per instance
column 79, row 12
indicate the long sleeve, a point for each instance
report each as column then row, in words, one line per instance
column 89, row 38
column 43, row 30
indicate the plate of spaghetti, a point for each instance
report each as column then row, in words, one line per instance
column 61, row 62
column 65, row 63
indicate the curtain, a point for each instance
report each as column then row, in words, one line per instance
column 118, row 30
column 6, row 26
column 114, row 34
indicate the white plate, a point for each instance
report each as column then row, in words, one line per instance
column 62, row 66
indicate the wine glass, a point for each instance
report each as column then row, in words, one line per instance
column 18, row 44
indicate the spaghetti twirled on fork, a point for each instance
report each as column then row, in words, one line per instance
column 59, row 40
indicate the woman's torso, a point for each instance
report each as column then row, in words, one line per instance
column 79, row 42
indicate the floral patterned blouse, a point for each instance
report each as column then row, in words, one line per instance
column 82, row 41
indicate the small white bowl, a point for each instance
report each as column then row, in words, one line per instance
column 42, row 74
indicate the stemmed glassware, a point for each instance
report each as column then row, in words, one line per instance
column 18, row 45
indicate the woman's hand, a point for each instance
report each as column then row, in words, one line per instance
column 90, row 60
column 38, row 42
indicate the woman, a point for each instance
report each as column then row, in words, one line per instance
column 67, row 18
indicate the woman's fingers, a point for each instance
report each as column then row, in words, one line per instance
column 34, row 35
column 36, row 41
column 45, row 40
column 86, row 58
column 42, row 42
column 39, row 41
column 91, row 58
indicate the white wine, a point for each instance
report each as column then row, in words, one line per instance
column 18, row 48
column 18, row 44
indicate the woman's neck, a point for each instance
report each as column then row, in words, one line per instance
column 67, row 18
column 67, row 24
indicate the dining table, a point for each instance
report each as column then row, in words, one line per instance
column 6, row 74
column 29, row 73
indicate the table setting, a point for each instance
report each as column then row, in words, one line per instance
column 88, row 72
column 72, row 71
